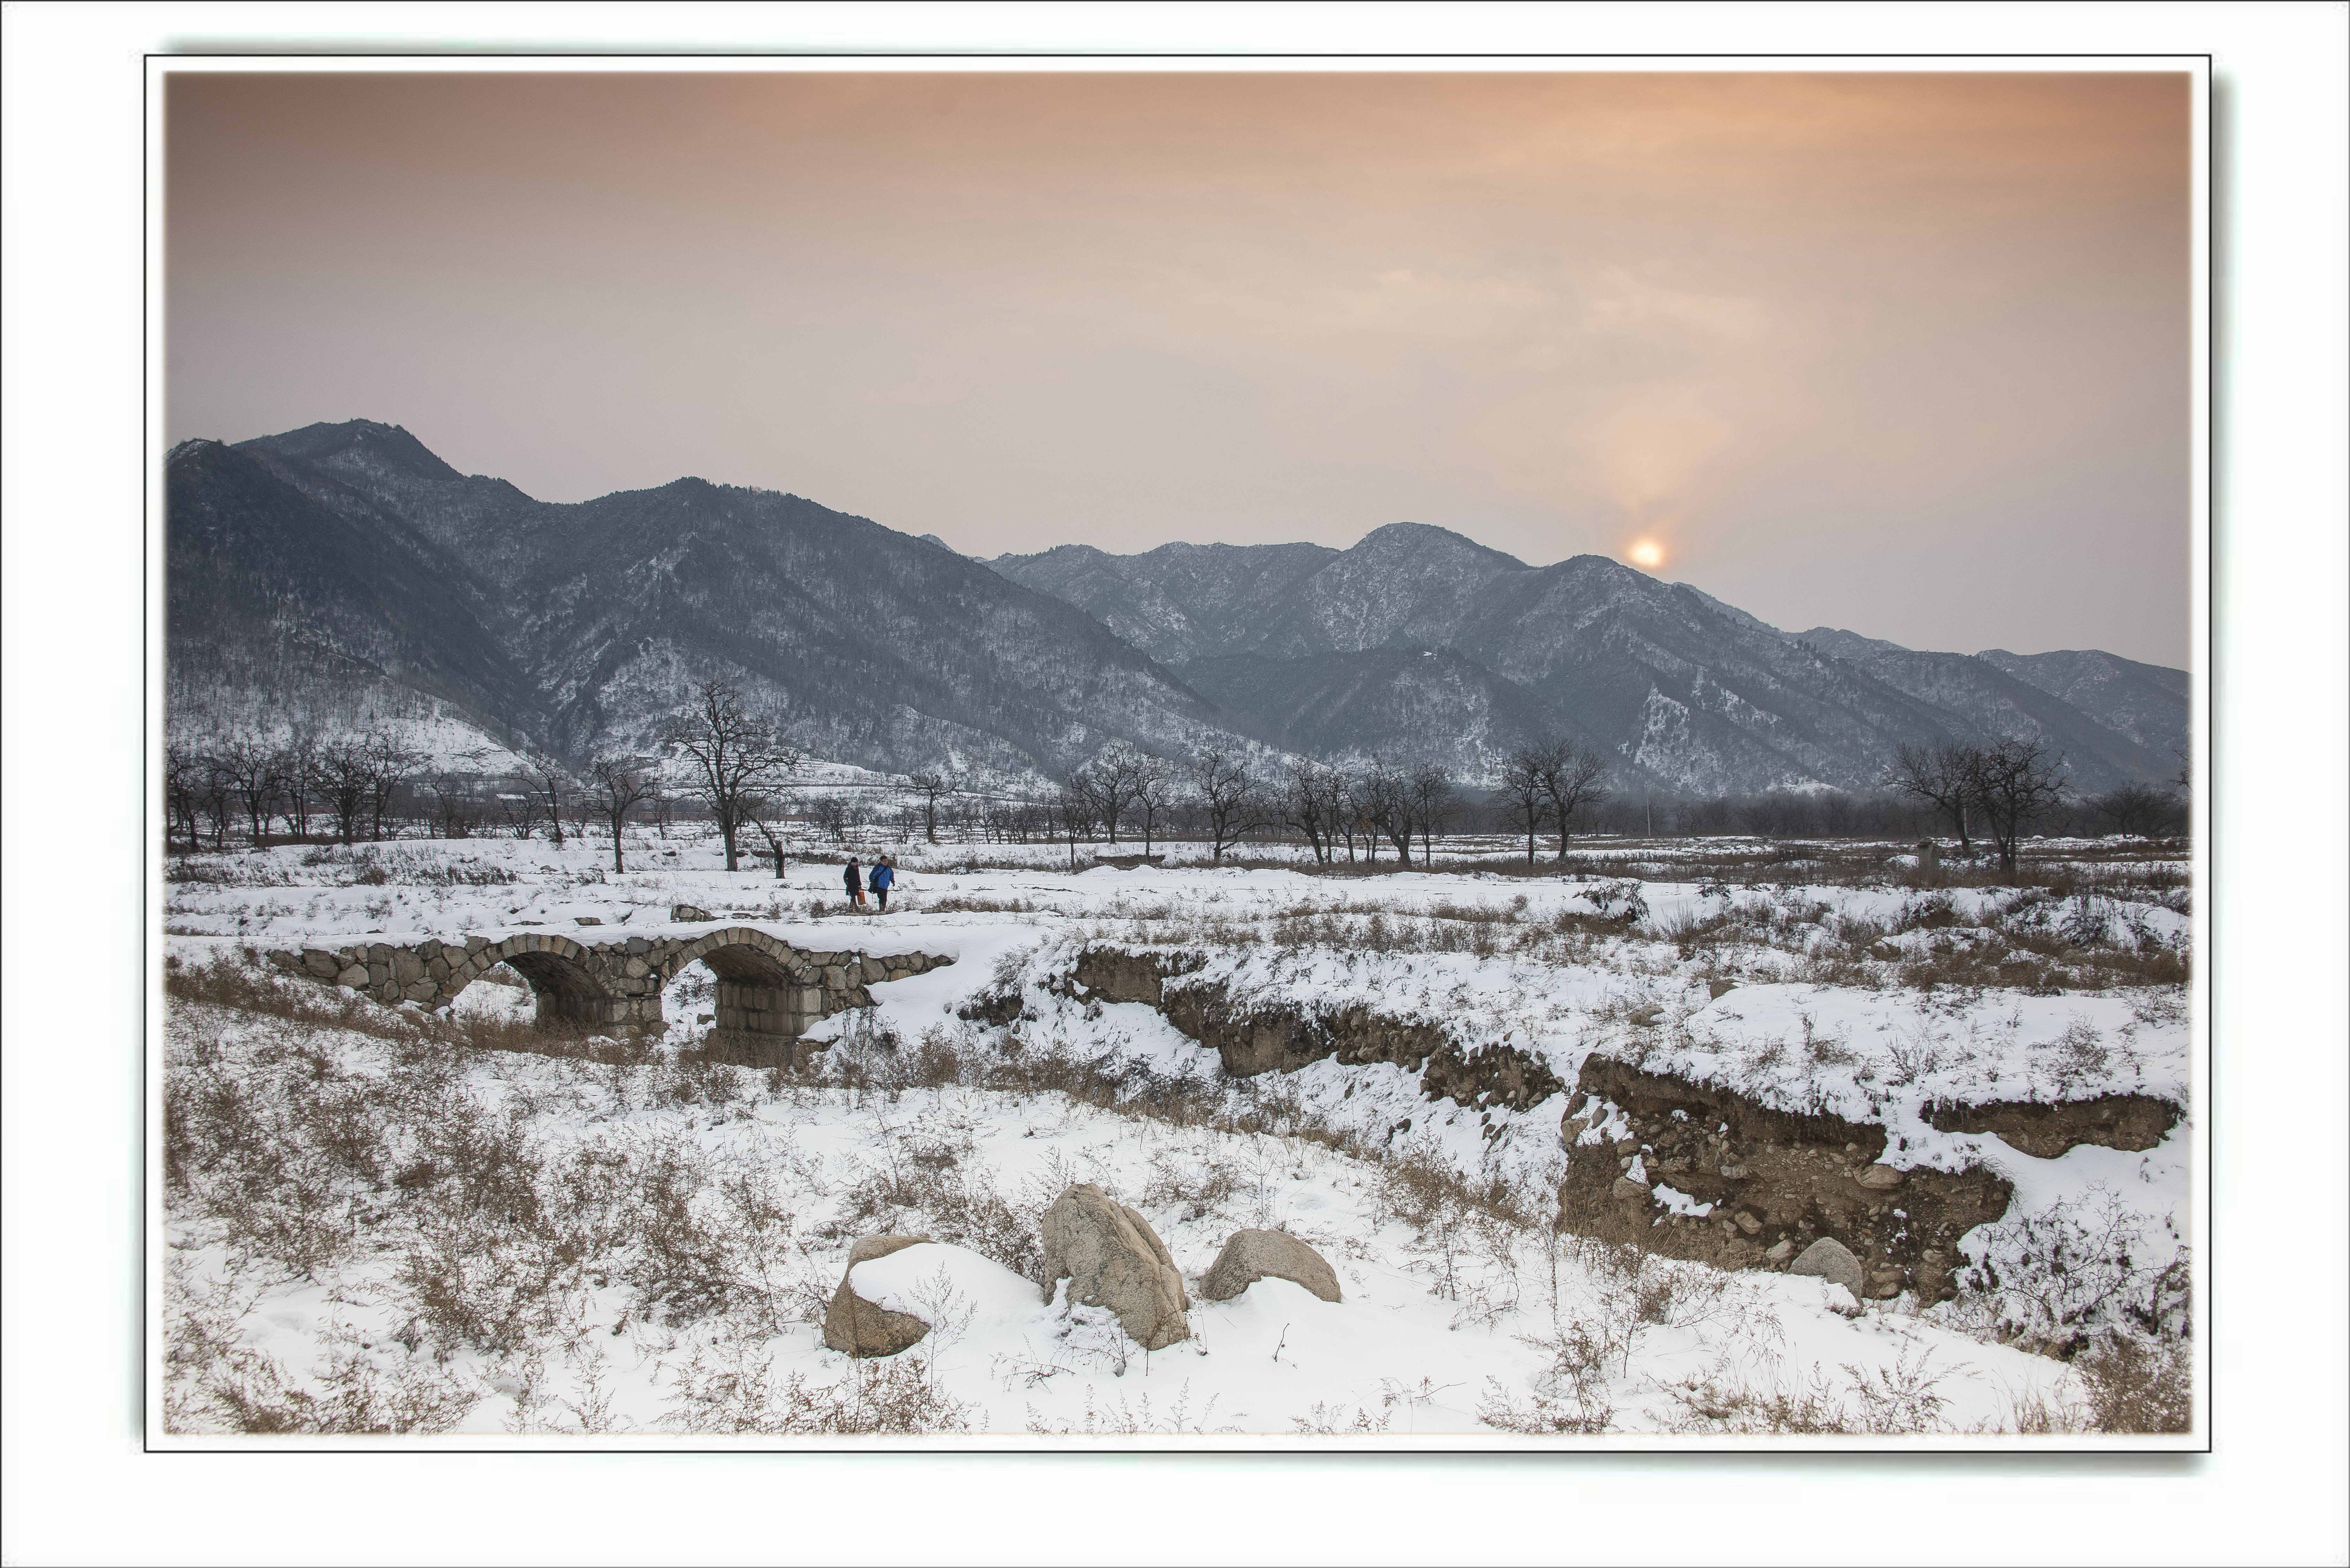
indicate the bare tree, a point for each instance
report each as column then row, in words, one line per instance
column 1112, row 778
column 759, row 813
column 1154, row 792
column 2133, row 807
column 1228, row 796
column 620, row 785
column 1309, row 802
column 2012, row 782
column 390, row 766
column 218, row 799
column 737, row 756
column 518, row 807
column 341, row 774
column 547, row 779
column 1523, row 790
column 250, row 771
column 928, row 786
column 183, row 781
column 1434, row 803
column 1573, row 777
column 1359, row 811
column 297, row 766
column 1940, row 775
column 1076, row 809
column 452, row 794
column 1383, row 795
column 828, row 814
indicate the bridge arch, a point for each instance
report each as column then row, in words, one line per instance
column 563, row 977
column 767, row 993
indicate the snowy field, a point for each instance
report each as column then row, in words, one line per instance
column 382, row 1220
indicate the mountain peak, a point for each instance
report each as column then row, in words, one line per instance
column 360, row 443
column 1396, row 538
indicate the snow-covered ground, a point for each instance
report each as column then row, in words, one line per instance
column 371, row 1224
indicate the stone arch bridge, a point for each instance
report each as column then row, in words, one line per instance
column 769, row 993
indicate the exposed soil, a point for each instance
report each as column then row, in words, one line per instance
column 2047, row 1130
column 1778, row 1182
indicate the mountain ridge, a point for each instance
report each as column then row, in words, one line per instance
column 352, row 552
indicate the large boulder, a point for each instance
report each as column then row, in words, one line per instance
column 1113, row 1258
column 1831, row 1259
column 855, row 1326
column 1252, row 1255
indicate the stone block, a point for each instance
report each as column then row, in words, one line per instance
column 355, row 976
column 873, row 972
column 420, row 990
column 320, row 962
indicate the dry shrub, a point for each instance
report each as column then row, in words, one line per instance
column 1719, row 1400
column 2139, row 1385
column 730, row 1390
column 1134, row 1418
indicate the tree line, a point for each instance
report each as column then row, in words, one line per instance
column 735, row 766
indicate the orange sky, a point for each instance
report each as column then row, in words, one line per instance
column 1907, row 354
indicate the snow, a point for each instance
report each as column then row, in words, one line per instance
column 1447, row 1326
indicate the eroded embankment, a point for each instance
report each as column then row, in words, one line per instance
column 1680, row 1169
column 1770, row 1183
column 1252, row 1035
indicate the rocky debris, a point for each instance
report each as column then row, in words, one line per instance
column 1772, row 1177
column 994, row 1007
column 1248, row 1256
column 855, row 1326
column 1646, row 1017
column 1489, row 1075
column 586, row 919
column 1779, row 1251
column 687, row 915
column 1831, row 1259
column 2046, row 1130
column 1715, row 990
column 1113, row 1258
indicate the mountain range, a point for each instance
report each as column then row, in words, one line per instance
column 344, row 570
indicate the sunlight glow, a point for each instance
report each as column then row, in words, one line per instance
column 1646, row 553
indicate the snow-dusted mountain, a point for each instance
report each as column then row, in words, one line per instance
column 1689, row 690
column 2144, row 701
column 348, row 565
column 351, row 556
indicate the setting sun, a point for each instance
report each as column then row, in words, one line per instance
column 1646, row 553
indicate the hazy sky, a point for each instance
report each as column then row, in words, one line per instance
column 1905, row 354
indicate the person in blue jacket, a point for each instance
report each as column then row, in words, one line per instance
column 883, row 875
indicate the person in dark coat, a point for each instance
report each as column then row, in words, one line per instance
column 880, row 882
column 854, row 883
